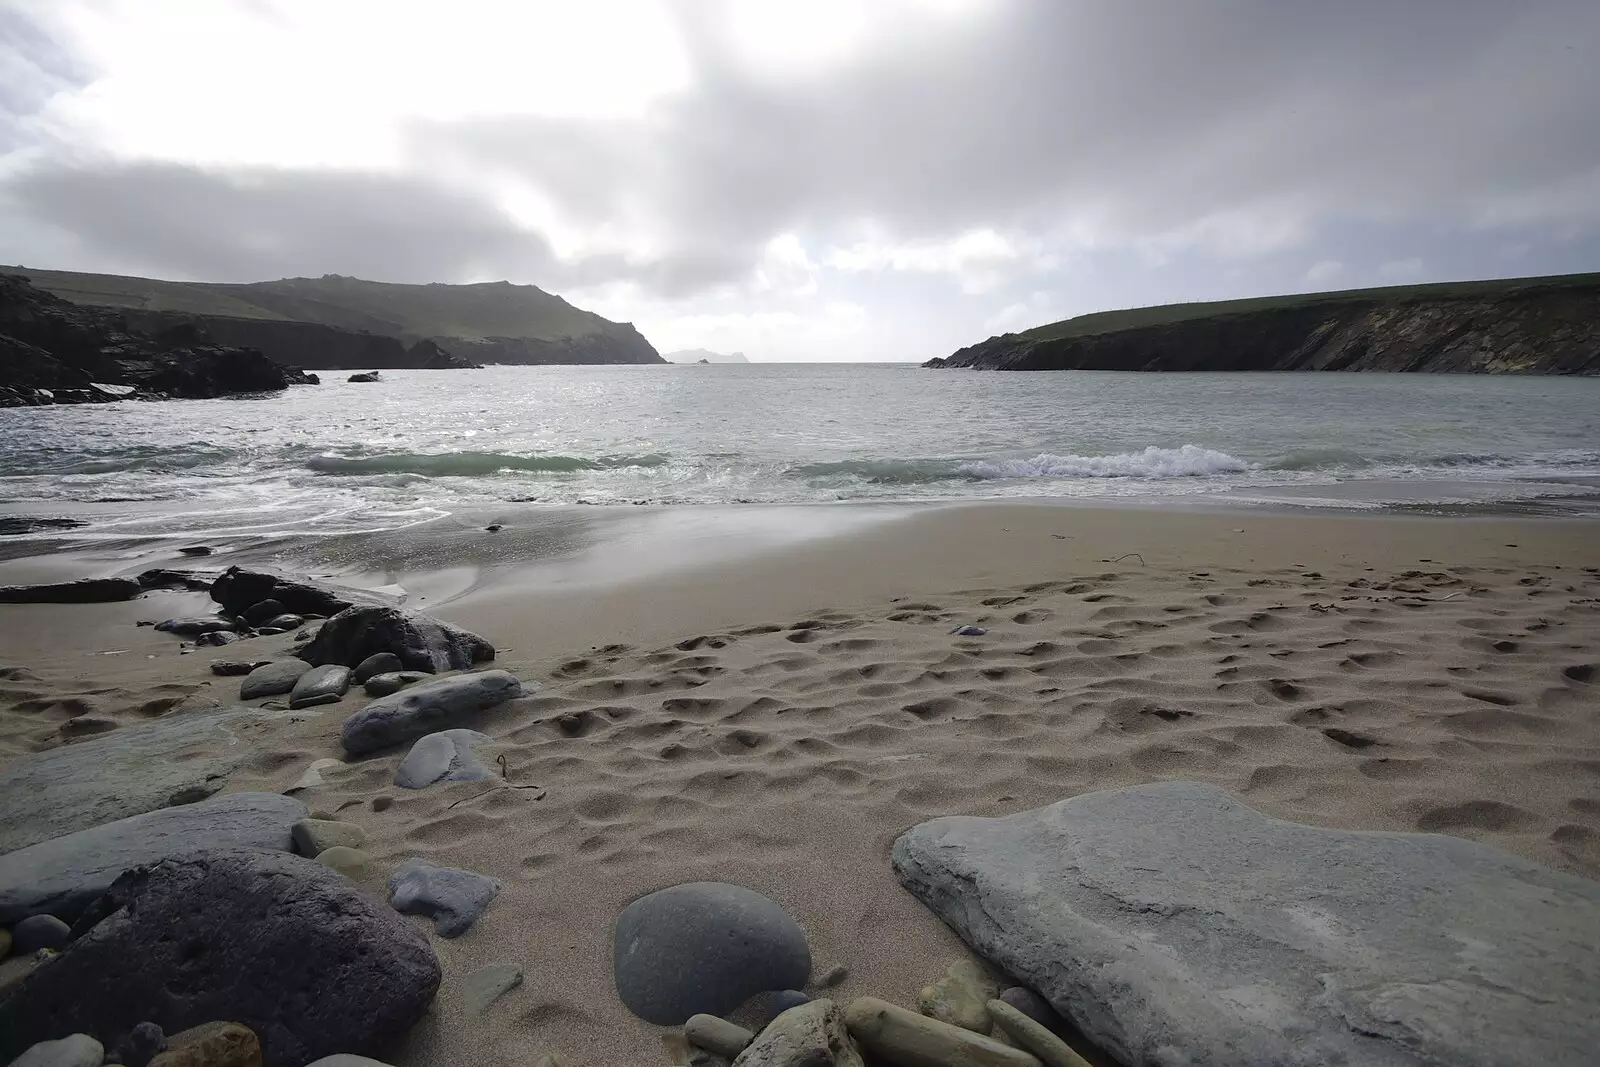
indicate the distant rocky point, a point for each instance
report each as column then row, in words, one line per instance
column 1513, row 326
column 336, row 322
column 705, row 355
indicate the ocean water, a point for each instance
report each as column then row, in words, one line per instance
column 421, row 444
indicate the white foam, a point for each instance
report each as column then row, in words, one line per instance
column 1190, row 461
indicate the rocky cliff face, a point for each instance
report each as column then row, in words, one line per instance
column 53, row 352
column 312, row 345
column 1523, row 329
column 623, row 345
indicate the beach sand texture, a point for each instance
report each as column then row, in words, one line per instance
column 778, row 720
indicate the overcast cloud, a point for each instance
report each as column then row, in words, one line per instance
column 830, row 179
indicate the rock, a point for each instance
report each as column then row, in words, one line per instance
column 1034, row 1036
column 39, row 931
column 140, row 1046
column 908, row 1039
column 376, row 664
column 704, row 948
column 495, row 527
column 193, row 626
column 425, row 709
column 381, row 685
column 314, row 836
column 215, row 1044
column 365, row 376
column 63, row 876
column 451, row 897
column 258, row 613
column 268, row 631
column 959, row 997
column 196, row 550
column 238, row 590
column 345, row 1060
column 312, row 776
column 286, row 621
column 420, row 642
column 269, row 940
column 217, row 637
column 226, row 668
column 272, row 680
column 87, row 725
column 320, row 685
column 1032, row 1005
column 83, row 591
column 485, row 985
column 350, row 862
column 717, row 1035
column 446, row 756
column 5, row 942
column 811, row 1035
column 79, row 1050
column 164, row 578
column 782, row 1000
column 835, row 976
column 1170, row 916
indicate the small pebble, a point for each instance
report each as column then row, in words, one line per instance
column 350, row 862
column 836, row 974
column 381, row 803
column 39, row 931
column 485, row 985
column 141, row 1045
column 783, row 1000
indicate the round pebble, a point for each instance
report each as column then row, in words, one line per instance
column 783, row 1000
column 39, row 931
column 141, row 1045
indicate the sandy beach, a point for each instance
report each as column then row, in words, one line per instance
column 777, row 716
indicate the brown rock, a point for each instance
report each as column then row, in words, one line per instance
column 211, row 1045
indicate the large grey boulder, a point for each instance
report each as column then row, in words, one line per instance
column 277, row 942
column 704, row 947
column 273, row 679
column 420, row 642
column 82, row 591
column 426, row 708
column 62, row 876
column 446, row 756
column 127, row 771
column 1173, row 925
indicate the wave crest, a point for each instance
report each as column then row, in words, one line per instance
column 471, row 464
column 1190, row 461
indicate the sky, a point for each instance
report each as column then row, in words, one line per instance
column 807, row 179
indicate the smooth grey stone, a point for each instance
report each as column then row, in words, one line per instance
column 1034, row 1036
column 381, row 685
column 320, row 685
column 193, row 627
column 425, row 709
column 258, row 613
column 375, row 664
column 78, row 1050
column 704, row 948
column 141, row 1045
column 717, row 1035
column 451, row 897
column 446, row 756
column 127, row 771
column 313, row 837
column 420, row 642
column 488, row 984
column 1171, row 917
column 62, row 876
column 783, row 1000
column 275, row 679
column 38, row 931
column 807, row 1035
column 82, row 591
column 312, row 777
column 895, row 1035
column 268, row 940
column 286, row 621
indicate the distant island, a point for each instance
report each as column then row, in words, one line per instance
column 1547, row 325
column 336, row 322
column 705, row 355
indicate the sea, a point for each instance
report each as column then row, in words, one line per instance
column 347, row 457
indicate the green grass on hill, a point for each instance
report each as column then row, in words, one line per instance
column 1110, row 321
column 489, row 309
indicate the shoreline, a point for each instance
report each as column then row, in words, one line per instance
column 777, row 717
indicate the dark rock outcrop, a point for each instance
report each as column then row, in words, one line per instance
column 82, row 591
column 625, row 344
column 312, row 345
column 239, row 590
column 366, row 376
column 420, row 642
column 1520, row 326
column 280, row 943
column 52, row 351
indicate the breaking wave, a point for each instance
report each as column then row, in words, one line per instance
column 1190, row 461
column 472, row 464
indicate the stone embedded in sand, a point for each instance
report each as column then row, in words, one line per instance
column 225, row 668
column 78, row 1050
column 350, row 862
column 446, row 756
column 451, row 897
column 39, row 931
column 376, row 664
column 83, row 591
column 717, row 1035
column 782, row 1001
column 488, row 984
column 810, row 1035
column 63, row 876
column 195, row 625
column 908, row 1039
column 312, row 837
column 286, row 621
column 426, row 709
column 274, row 679
column 1170, row 916
column 420, row 642
column 258, row 613
column 320, row 685
column 239, row 590
column 140, row 1045
column 215, row 1044
column 381, row 685
column 216, row 638
column 704, row 947
column 1034, row 1036
column 269, row 940
column 959, row 997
